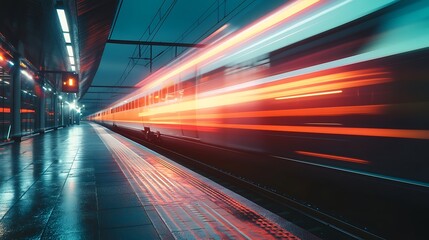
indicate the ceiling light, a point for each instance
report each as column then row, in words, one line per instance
column 71, row 60
column 67, row 37
column 73, row 68
column 63, row 20
column 70, row 50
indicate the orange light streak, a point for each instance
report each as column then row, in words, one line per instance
column 7, row 110
column 215, row 33
column 310, row 95
column 27, row 111
column 264, row 24
column 367, row 132
column 269, row 92
column 334, row 157
column 324, row 111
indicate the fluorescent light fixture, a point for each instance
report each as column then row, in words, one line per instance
column 67, row 37
column 63, row 20
column 73, row 68
column 71, row 60
column 26, row 74
column 70, row 50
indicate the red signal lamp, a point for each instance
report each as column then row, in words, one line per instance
column 70, row 83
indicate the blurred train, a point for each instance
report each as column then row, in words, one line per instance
column 337, row 84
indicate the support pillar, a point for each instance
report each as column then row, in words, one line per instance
column 56, row 109
column 62, row 113
column 41, row 114
column 16, row 132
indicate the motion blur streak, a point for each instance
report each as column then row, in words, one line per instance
column 326, row 111
column 346, row 76
column 334, row 157
column 289, row 88
column 245, row 35
column 310, row 95
column 369, row 132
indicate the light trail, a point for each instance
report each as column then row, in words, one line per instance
column 333, row 157
column 310, row 95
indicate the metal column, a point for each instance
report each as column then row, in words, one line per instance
column 41, row 114
column 16, row 101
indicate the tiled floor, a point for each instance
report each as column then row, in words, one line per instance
column 65, row 184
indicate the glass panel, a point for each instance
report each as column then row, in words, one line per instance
column 5, row 102
column 29, row 103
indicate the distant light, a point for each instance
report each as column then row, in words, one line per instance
column 1, row 58
column 60, row 97
column 67, row 37
column 49, row 89
column 63, row 20
column 26, row 74
column 73, row 68
column 71, row 82
column 6, row 82
column 71, row 60
column 70, row 50
column 44, row 88
column 11, row 63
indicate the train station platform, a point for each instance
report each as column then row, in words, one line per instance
column 86, row 182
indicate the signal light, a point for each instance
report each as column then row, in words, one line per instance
column 70, row 83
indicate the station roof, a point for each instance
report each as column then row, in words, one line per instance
column 33, row 29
